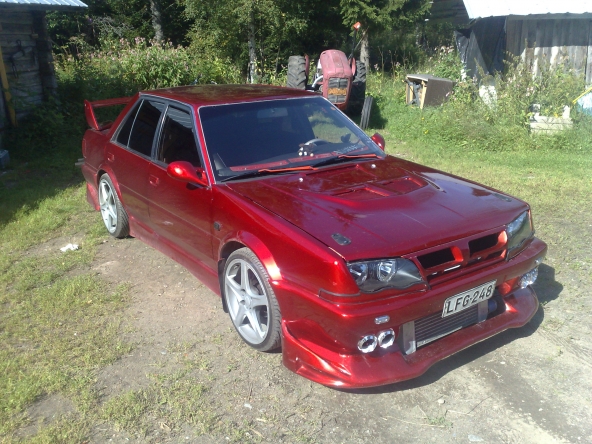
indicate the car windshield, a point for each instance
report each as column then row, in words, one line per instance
column 277, row 136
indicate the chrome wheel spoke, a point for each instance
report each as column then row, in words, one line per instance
column 241, row 313
column 245, row 284
column 108, row 206
column 255, row 323
column 112, row 213
column 246, row 300
column 258, row 300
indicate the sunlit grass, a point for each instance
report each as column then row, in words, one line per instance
column 59, row 322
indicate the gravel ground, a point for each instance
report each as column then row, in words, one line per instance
column 526, row 385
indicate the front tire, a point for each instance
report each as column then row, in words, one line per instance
column 251, row 302
column 358, row 89
column 297, row 72
column 365, row 118
column 114, row 215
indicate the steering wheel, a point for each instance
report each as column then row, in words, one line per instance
column 316, row 142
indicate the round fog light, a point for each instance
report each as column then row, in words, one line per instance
column 529, row 278
column 386, row 338
column 367, row 344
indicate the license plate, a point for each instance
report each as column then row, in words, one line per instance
column 468, row 298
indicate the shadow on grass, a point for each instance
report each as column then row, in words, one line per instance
column 547, row 289
column 38, row 170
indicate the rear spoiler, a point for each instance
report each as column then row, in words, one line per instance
column 89, row 111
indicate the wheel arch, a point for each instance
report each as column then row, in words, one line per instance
column 100, row 172
column 241, row 240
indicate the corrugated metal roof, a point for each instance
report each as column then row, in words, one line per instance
column 500, row 8
column 50, row 4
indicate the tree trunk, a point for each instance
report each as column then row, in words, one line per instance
column 252, row 49
column 365, row 50
column 157, row 20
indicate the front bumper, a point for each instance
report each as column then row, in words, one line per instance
column 369, row 370
column 316, row 349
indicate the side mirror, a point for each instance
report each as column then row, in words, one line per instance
column 185, row 172
column 379, row 140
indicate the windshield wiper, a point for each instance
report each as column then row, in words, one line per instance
column 345, row 158
column 266, row 171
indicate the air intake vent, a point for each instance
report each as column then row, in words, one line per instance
column 483, row 243
column 436, row 258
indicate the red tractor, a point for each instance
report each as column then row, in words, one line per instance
column 341, row 80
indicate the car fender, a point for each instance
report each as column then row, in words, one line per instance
column 252, row 242
column 106, row 169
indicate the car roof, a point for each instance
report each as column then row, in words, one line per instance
column 220, row 94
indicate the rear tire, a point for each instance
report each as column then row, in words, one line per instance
column 297, row 72
column 358, row 89
column 366, row 112
column 114, row 215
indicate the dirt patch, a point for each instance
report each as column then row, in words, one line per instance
column 531, row 385
column 45, row 412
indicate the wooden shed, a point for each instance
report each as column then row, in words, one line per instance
column 537, row 31
column 26, row 63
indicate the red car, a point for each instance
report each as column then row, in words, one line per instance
column 364, row 268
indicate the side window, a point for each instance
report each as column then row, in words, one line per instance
column 124, row 132
column 177, row 141
column 145, row 123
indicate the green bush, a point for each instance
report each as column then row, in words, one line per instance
column 122, row 68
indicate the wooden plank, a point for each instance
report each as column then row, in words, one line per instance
column 581, row 50
column 8, row 41
column 524, row 41
column 547, row 41
column 513, row 36
column 26, row 79
column 17, row 28
column 26, row 93
column 555, row 47
column 6, row 91
column 589, row 55
column 16, row 17
column 564, row 41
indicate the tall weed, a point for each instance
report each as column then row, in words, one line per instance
column 495, row 120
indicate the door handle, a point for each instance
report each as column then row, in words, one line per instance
column 153, row 180
column 110, row 157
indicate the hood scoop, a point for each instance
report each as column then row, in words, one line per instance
column 364, row 193
column 403, row 185
column 398, row 186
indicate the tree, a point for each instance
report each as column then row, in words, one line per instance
column 256, row 34
column 157, row 20
column 379, row 15
column 115, row 19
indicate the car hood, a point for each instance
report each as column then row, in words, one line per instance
column 381, row 208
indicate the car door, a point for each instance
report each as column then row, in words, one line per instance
column 180, row 212
column 129, row 154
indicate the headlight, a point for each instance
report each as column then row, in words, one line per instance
column 377, row 275
column 518, row 231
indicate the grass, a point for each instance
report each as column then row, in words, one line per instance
column 59, row 322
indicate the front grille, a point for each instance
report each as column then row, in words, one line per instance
column 433, row 327
column 441, row 263
column 337, row 90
